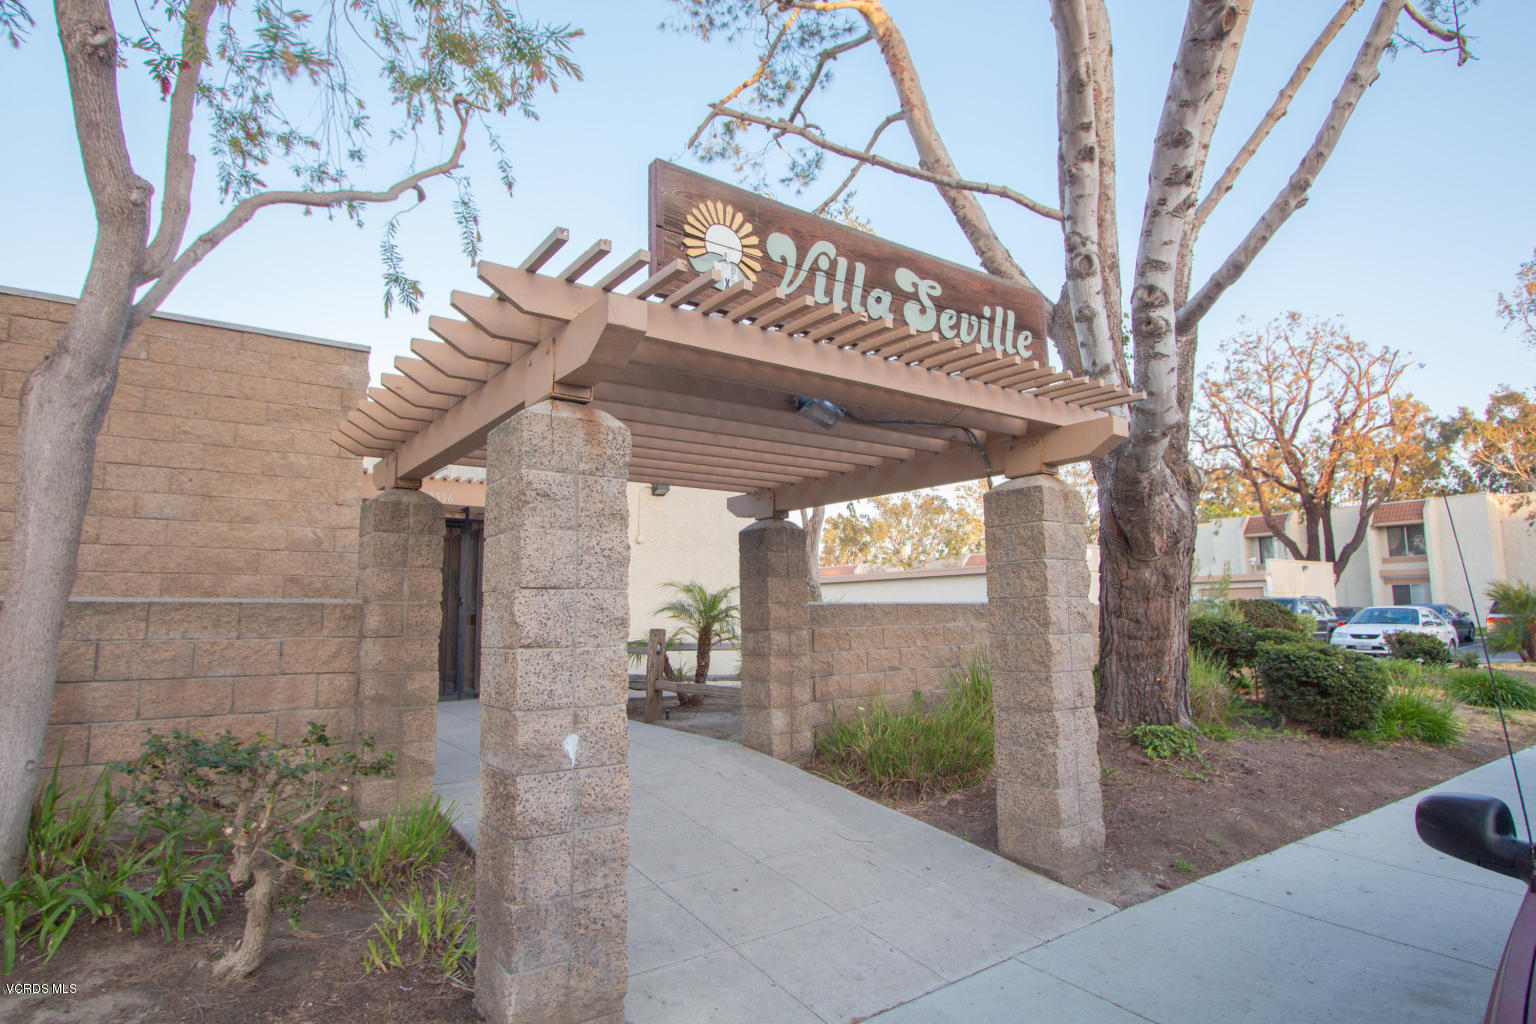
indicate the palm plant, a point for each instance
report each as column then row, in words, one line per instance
column 1517, row 603
column 708, row 617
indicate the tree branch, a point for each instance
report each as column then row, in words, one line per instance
column 176, row 197
column 1173, row 179
column 829, row 54
column 1440, row 32
column 751, row 80
column 1276, row 111
column 827, row 202
column 942, row 180
column 247, row 208
column 1078, row 174
column 1294, row 195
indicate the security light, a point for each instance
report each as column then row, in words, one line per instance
column 660, row 489
column 819, row 411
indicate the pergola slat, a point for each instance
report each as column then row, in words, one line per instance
column 465, row 337
column 632, row 265
column 659, row 282
column 452, row 362
column 687, row 291
column 723, row 299
column 753, row 455
column 400, row 407
column 433, row 379
column 586, row 261
column 553, row 243
column 414, row 394
column 1010, row 369
column 836, row 459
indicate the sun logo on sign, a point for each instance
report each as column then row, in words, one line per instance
column 716, row 236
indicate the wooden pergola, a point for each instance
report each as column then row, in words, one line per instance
column 707, row 381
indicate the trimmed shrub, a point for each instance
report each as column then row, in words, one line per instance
column 1430, row 650
column 1330, row 690
column 1266, row 614
column 1221, row 637
column 1472, row 686
column 1283, row 638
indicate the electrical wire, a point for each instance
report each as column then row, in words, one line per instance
column 1493, row 680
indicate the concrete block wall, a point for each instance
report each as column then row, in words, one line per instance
column 127, row 666
column 215, row 474
column 863, row 651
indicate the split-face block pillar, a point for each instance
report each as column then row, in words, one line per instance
column 1041, row 644
column 552, row 847
column 775, row 636
column 400, row 580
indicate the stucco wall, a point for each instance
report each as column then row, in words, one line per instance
column 215, row 474
column 863, row 651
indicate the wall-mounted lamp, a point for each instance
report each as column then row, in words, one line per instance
column 819, row 411
column 658, row 490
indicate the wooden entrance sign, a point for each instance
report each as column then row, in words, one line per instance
column 712, row 225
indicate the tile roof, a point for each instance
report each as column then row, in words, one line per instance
column 1399, row 512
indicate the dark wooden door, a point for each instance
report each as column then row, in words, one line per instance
column 459, row 646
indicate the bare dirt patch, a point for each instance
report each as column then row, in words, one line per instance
column 1252, row 794
column 312, row 975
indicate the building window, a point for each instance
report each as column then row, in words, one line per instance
column 1268, row 548
column 1410, row 593
column 1405, row 541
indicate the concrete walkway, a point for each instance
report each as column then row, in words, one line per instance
column 761, row 894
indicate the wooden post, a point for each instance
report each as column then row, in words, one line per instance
column 654, row 654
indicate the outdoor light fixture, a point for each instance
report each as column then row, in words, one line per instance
column 658, row 490
column 819, row 411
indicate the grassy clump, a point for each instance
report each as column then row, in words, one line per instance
column 1421, row 713
column 1473, row 686
column 403, row 845
column 84, row 863
column 912, row 751
column 434, row 931
column 1210, row 695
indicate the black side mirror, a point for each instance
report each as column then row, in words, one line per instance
column 1477, row 829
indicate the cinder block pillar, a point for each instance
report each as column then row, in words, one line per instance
column 775, row 640
column 400, row 565
column 1041, row 644
column 552, row 848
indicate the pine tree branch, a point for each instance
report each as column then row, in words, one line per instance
column 874, row 159
column 247, row 208
column 826, row 203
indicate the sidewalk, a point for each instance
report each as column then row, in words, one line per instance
column 761, row 894
column 1359, row 923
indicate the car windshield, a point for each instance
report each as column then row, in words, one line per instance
column 1447, row 609
column 1387, row 617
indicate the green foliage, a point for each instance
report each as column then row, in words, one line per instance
column 1475, row 687
column 77, row 869
column 1265, row 614
column 1421, row 647
column 708, row 616
column 1223, row 637
column 1162, row 742
column 286, row 809
column 912, row 751
column 1331, row 690
column 404, row 845
column 905, row 531
column 433, row 930
column 15, row 20
column 1184, row 867
column 1265, row 636
column 1418, row 712
column 1517, row 602
column 1210, row 696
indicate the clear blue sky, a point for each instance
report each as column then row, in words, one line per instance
column 1417, row 222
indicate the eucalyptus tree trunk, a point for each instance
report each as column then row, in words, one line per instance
column 62, row 405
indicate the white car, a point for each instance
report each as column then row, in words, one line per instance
column 1367, row 631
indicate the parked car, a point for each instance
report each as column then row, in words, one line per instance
column 1367, row 631
column 1316, row 607
column 1495, row 617
column 1480, row 830
column 1345, row 612
column 1464, row 624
